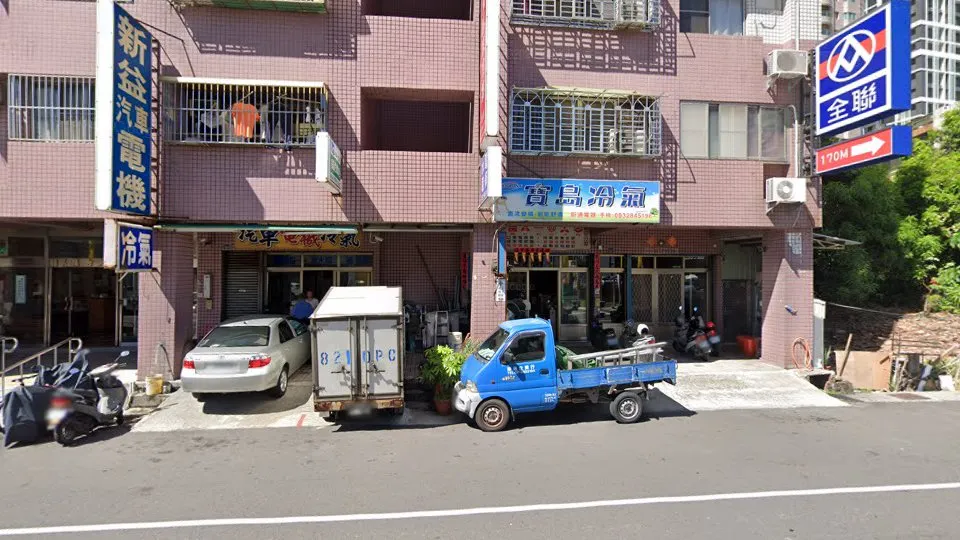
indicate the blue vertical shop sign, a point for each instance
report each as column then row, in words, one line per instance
column 863, row 73
column 124, row 94
column 134, row 249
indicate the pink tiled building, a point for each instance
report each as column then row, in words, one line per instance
column 668, row 97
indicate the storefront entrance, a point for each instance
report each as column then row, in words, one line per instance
column 84, row 305
column 560, row 295
column 291, row 275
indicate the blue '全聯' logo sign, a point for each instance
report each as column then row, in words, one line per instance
column 863, row 73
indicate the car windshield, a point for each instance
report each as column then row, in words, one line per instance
column 489, row 347
column 237, row 336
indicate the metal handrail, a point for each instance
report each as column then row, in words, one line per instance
column 73, row 347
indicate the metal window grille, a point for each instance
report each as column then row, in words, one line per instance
column 241, row 113
column 548, row 121
column 595, row 14
column 50, row 108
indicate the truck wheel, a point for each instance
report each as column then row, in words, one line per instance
column 627, row 408
column 492, row 415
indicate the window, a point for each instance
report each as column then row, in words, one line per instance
column 491, row 345
column 286, row 334
column 612, row 292
column 528, row 348
column 849, row 17
column 213, row 112
column 45, row 108
column 237, row 336
column 723, row 17
column 298, row 327
column 597, row 14
column 730, row 131
column 546, row 121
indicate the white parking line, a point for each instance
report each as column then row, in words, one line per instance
column 549, row 507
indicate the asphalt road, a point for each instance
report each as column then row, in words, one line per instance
column 277, row 473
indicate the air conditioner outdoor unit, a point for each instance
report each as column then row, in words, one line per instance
column 638, row 140
column 787, row 63
column 786, row 190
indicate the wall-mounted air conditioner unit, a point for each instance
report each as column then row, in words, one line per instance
column 786, row 190
column 787, row 64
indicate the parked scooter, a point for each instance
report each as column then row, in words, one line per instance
column 691, row 335
column 78, row 411
column 602, row 339
column 714, row 338
column 635, row 335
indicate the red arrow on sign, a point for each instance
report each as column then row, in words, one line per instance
column 855, row 151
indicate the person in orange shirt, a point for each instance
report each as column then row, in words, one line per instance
column 245, row 118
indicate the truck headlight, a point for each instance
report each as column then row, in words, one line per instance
column 470, row 386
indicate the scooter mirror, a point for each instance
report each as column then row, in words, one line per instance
column 124, row 353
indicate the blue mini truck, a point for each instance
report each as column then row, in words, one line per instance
column 516, row 371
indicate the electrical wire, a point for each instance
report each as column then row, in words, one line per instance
column 805, row 347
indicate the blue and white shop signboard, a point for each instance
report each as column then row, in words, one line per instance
column 123, row 100
column 570, row 200
column 135, row 248
column 863, row 72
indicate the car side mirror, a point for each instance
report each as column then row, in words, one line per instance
column 507, row 357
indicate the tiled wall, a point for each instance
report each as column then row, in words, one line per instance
column 342, row 48
column 401, row 265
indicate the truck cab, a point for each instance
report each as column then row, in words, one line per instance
column 518, row 364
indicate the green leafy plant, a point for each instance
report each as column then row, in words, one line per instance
column 443, row 366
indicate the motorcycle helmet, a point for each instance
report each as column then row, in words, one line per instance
column 711, row 326
column 642, row 329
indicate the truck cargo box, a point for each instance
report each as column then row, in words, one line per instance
column 357, row 349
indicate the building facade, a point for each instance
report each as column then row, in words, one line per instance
column 935, row 58
column 660, row 110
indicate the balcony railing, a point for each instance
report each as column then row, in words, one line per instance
column 229, row 111
column 302, row 6
column 589, row 14
column 556, row 121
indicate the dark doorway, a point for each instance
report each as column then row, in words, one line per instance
column 543, row 295
column 318, row 281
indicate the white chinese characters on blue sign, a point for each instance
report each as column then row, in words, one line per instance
column 135, row 249
column 131, row 103
column 863, row 73
column 546, row 199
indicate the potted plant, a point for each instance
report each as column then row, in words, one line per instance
column 442, row 370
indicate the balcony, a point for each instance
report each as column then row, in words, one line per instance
column 300, row 6
column 561, row 122
column 588, row 14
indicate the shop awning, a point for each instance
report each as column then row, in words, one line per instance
column 822, row 241
column 229, row 227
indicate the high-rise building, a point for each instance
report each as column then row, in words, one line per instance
column 935, row 58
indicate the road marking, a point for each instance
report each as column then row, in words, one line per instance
column 548, row 507
column 300, row 421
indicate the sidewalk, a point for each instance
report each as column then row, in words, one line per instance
column 743, row 384
column 900, row 397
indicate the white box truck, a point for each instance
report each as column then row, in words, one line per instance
column 357, row 349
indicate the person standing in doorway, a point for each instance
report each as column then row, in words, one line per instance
column 312, row 300
column 302, row 310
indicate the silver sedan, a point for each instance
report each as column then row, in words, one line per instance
column 252, row 354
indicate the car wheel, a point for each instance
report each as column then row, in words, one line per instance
column 492, row 415
column 280, row 389
column 627, row 408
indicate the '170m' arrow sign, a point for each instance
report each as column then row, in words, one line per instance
column 890, row 143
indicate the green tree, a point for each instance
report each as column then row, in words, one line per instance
column 929, row 185
column 864, row 206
